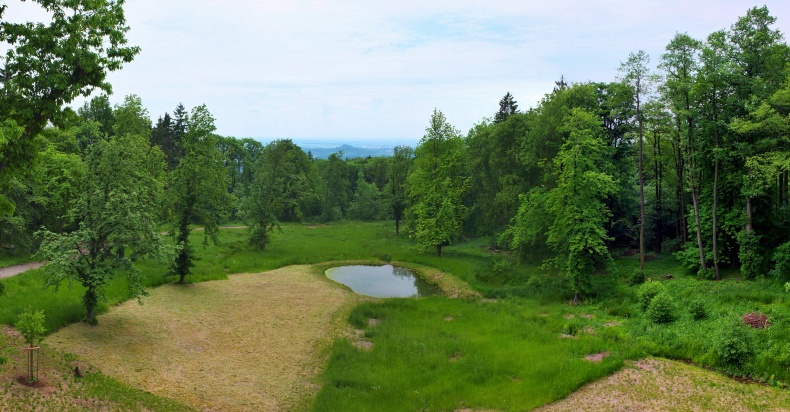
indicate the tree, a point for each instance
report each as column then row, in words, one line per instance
column 280, row 179
column 336, row 187
column 637, row 74
column 761, row 57
column 402, row 160
column 367, row 202
column 47, row 65
column 31, row 326
column 574, row 212
column 116, row 213
column 681, row 64
column 507, row 108
column 198, row 189
column 437, row 185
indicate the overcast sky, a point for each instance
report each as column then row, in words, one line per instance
column 374, row 70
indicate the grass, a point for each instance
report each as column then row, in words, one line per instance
column 60, row 390
column 504, row 351
column 251, row 342
column 664, row 385
column 445, row 354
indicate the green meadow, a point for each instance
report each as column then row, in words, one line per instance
column 519, row 346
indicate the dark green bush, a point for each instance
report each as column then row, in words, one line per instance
column 733, row 344
column 648, row 291
column 2, row 288
column 637, row 278
column 661, row 308
column 781, row 258
column 697, row 309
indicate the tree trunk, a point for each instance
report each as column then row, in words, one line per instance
column 715, row 204
column 397, row 227
column 641, row 200
column 695, row 199
column 181, row 277
column 438, row 250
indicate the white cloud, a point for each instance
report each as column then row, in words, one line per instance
column 366, row 70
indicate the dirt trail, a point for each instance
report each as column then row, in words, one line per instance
column 7, row 272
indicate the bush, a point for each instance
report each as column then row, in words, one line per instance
column 781, row 258
column 648, row 291
column 571, row 327
column 697, row 310
column 733, row 344
column 637, row 278
column 2, row 288
column 661, row 308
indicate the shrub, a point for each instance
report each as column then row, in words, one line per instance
column 781, row 258
column 733, row 344
column 749, row 254
column 648, row 291
column 571, row 327
column 637, row 278
column 661, row 308
column 2, row 288
column 697, row 309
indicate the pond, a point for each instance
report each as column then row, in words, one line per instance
column 382, row 281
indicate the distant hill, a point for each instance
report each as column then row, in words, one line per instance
column 349, row 152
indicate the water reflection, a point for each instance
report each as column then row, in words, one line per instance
column 382, row 281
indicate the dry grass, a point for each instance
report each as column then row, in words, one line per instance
column 665, row 385
column 252, row 342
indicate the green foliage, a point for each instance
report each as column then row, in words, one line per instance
column 116, row 214
column 437, row 185
column 47, row 65
column 781, row 270
column 197, row 189
column 697, row 309
column 398, row 173
column 575, row 210
column 749, row 254
column 661, row 308
column 31, row 326
column 367, row 203
column 733, row 343
column 637, row 277
column 648, row 291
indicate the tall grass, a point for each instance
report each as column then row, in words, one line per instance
column 444, row 354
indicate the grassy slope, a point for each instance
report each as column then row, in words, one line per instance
column 497, row 350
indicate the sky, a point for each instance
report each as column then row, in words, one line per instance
column 352, row 71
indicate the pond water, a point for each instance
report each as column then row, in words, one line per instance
column 382, row 281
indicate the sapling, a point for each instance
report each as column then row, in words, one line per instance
column 31, row 326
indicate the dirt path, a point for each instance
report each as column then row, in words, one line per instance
column 9, row 271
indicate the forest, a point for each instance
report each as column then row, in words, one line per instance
column 684, row 158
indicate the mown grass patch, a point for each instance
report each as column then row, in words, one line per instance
column 251, row 342
column 664, row 385
column 62, row 391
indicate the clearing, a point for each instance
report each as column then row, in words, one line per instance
column 252, row 342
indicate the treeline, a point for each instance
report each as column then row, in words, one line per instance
column 279, row 179
column 691, row 159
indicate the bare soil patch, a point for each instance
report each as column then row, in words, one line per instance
column 252, row 342
column 664, row 385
